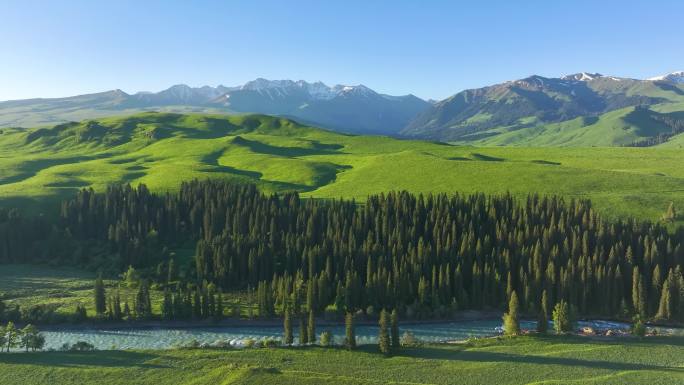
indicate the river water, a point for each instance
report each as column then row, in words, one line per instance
column 169, row 337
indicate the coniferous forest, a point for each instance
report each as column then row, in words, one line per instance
column 425, row 255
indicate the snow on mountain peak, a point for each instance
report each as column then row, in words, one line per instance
column 674, row 77
column 582, row 76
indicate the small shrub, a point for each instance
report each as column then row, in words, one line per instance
column 82, row 346
column 250, row 342
column 638, row 327
column 409, row 340
column 327, row 339
column 271, row 343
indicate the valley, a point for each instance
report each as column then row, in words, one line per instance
column 163, row 149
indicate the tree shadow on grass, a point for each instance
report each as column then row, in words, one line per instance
column 109, row 358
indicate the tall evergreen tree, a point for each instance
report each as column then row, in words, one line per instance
column 311, row 327
column 395, row 330
column 100, row 297
column 510, row 319
column 288, row 336
column 303, row 331
column 384, row 343
column 543, row 320
column 562, row 318
column 350, row 335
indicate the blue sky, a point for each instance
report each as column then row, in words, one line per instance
column 429, row 48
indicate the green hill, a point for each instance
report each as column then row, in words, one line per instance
column 616, row 128
column 576, row 110
column 163, row 149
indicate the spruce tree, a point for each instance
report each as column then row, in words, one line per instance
column 510, row 319
column 311, row 325
column 383, row 333
column 100, row 297
column 396, row 343
column 542, row 321
column 562, row 318
column 303, row 332
column 665, row 303
column 219, row 306
column 350, row 336
column 288, row 337
column 11, row 336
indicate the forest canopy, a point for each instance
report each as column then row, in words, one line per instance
column 433, row 253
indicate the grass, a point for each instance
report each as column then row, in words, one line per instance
column 618, row 127
column 523, row 360
column 63, row 288
column 162, row 150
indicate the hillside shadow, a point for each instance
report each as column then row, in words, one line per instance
column 494, row 357
column 546, row 162
column 110, row 359
column 211, row 160
column 486, row 158
column 30, row 168
column 289, row 152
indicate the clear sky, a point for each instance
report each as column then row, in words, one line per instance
column 432, row 49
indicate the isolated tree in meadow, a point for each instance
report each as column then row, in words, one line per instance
column 311, row 327
column 288, row 337
column 671, row 213
column 543, row 320
column 511, row 323
column 394, row 333
column 562, row 318
column 100, row 297
column 384, row 343
column 350, row 335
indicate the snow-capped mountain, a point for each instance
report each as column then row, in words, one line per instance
column 348, row 108
column 674, row 77
column 582, row 76
column 539, row 100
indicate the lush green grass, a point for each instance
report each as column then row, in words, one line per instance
column 64, row 288
column 525, row 360
column 618, row 127
column 278, row 154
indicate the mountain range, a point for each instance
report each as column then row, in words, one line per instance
column 353, row 109
column 486, row 114
column 582, row 109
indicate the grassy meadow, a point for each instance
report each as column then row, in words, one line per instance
column 162, row 150
column 62, row 288
column 522, row 360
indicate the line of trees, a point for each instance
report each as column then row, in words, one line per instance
column 28, row 337
column 425, row 255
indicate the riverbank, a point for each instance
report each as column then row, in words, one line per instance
column 504, row 361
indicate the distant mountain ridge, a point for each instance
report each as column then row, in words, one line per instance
column 477, row 114
column 356, row 109
column 577, row 109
